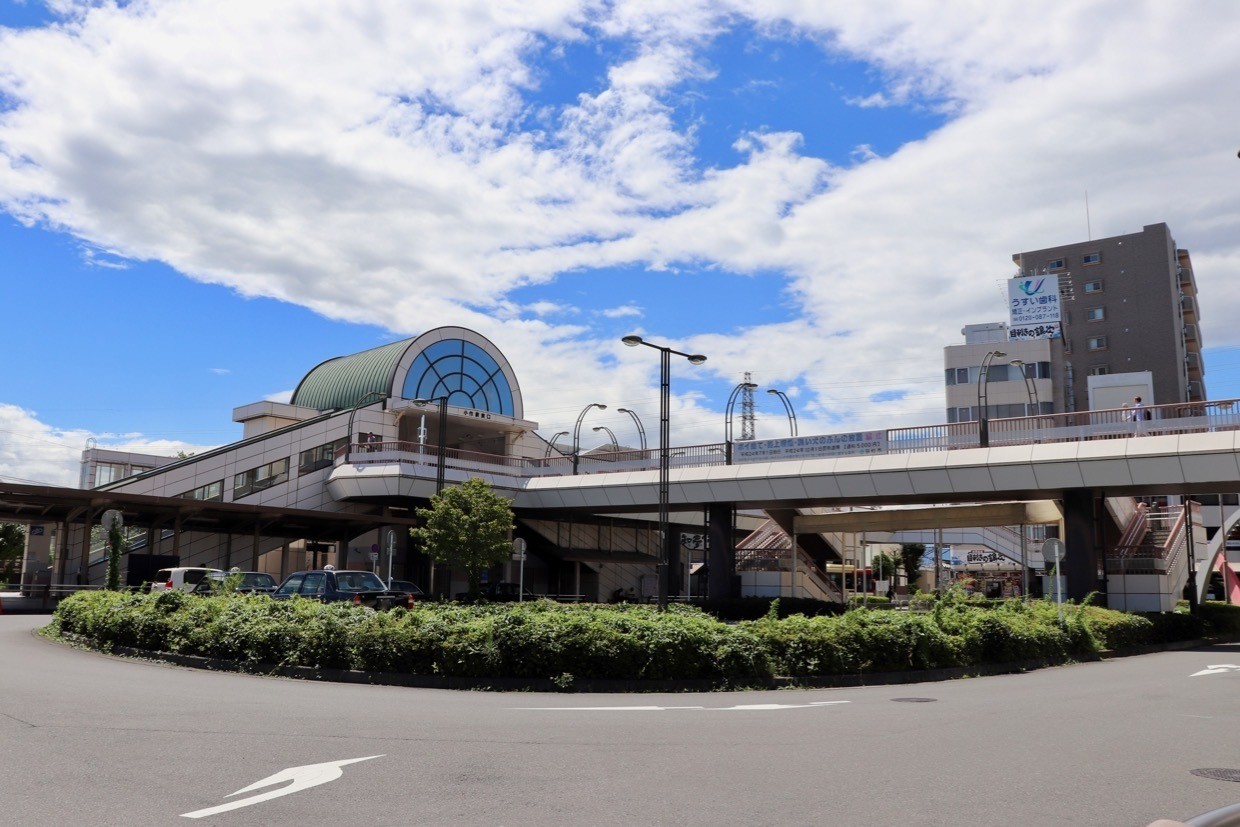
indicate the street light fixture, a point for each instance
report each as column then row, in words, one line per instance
column 373, row 396
column 727, row 411
column 551, row 444
column 441, row 441
column 792, row 415
column 983, row 378
column 1030, row 388
column 641, row 432
column 665, row 404
column 577, row 431
column 614, row 443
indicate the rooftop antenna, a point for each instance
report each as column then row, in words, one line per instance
column 1089, row 233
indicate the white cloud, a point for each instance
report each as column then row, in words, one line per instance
column 248, row 145
column 34, row 452
column 624, row 311
column 220, row 371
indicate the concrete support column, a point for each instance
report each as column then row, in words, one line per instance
column 721, row 558
column 1082, row 512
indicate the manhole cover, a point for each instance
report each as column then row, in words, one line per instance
column 1218, row 774
column 914, row 700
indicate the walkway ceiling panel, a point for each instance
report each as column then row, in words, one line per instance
column 854, row 465
column 788, row 488
column 1054, row 451
column 618, row 495
column 1103, row 473
column 822, row 487
column 1005, row 454
column 912, row 519
column 694, row 492
column 965, row 480
column 757, row 489
column 1058, row 475
column 930, row 481
column 856, row 485
column 1156, row 470
column 894, row 483
column 725, row 492
column 1207, row 467
column 1013, row 477
column 1218, row 441
column 791, row 468
column 573, row 498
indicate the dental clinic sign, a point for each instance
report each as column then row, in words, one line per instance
column 810, row 447
column 1033, row 307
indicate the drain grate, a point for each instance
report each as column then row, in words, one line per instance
column 1218, row 774
column 914, row 700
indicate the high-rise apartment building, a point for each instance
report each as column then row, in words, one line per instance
column 1128, row 306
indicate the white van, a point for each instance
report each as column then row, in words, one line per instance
column 182, row 577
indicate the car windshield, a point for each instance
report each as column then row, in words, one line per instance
column 258, row 581
column 358, row 581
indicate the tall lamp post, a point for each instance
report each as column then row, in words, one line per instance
column 551, row 444
column 1031, row 390
column 641, row 432
column 727, row 417
column 441, row 441
column 792, row 415
column 983, row 377
column 373, row 396
column 665, row 404
column 614, row 443
column 577, row 431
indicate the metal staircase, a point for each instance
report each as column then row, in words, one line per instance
column 1148, row 568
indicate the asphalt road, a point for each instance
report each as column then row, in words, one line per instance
column 92, row 740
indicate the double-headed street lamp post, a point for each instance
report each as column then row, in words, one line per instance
column 727, row 416
column 1031, row 390
column 577, row 431
column 614, row 443
column 551, row 444
column 983, row 377
column 665, row 404
column 792, row 415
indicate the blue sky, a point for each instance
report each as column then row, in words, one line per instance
column 201, row 201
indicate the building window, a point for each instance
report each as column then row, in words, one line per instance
column 106, row 472
column 321, row 457
column 1092, row 258
column 1099, row 370
column 260, row 479
column 1095, row 314
column 1056, row 264
column 1094, row 286
column 211, row 492
column 1096, row 343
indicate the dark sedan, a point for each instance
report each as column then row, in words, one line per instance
column 243, row 582
column 361, row 588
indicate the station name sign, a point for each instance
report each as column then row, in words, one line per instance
column 810, row 447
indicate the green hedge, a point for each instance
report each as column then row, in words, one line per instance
column 542, row 639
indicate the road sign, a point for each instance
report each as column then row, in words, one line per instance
column 374, row 557
column 518, row 548
column 1053, row 549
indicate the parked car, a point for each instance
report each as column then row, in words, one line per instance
column 244, row 582
column 408, row 586
column 184, row 578
column 361, row 588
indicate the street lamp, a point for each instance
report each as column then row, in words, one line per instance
column 983, row 377
column 375, row 395
column 641, row 432
column 551, row 444
column 1030, row 388
column 792, row 415
column 727, row 411
column 665, row 404
column 577, row 431
column 614, row 443
column 442, row 439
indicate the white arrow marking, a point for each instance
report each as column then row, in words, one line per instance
column 1217, row 670
column 302, row 778
column 744, row 708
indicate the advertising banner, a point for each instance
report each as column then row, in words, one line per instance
column 1033, row 306
column 810, row 447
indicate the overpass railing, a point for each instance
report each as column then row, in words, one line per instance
column 1111, row 423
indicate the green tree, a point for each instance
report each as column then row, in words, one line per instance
column 12, row 548
column 116, row 542
column 467, row 526
column 885, row 565
column 910, row 559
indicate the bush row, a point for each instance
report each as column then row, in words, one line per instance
column 562, row 642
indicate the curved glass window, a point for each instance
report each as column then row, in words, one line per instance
column 463, row 372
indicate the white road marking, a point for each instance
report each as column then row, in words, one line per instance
column 1217, row 669
column 302, row 778
column 741, row 708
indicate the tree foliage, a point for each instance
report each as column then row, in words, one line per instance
column 12, row 548
column 910, row 559
column 467, row 526
column 885, row 565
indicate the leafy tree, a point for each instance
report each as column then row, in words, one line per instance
column 885, row 565
column 116, row 542
column 12, row 547
column 910, row 559
column 467, row 526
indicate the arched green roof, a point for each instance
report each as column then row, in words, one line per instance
column 344, row 381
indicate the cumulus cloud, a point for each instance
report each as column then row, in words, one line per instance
column 384, row 162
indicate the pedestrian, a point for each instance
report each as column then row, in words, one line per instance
column 1139, row 413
